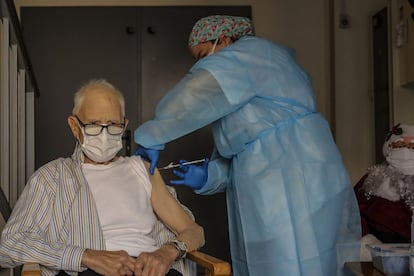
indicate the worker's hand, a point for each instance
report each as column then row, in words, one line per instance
column 114, row 263
column 155, row 263
column 192, row 176
column 150, row 155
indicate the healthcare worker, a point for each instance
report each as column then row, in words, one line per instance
column 291, row 207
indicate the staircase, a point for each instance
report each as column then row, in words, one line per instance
column 18, row 88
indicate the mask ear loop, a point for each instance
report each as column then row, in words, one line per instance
column 81, row 128
column 214, row 47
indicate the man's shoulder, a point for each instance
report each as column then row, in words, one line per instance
column 138, row 163
column 55, row 165
column 57, row 162
column 134, row 158
column 51, row 174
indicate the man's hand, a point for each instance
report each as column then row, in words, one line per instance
column 108, row 263
column 155, row 263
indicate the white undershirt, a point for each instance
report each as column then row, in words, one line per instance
column 122, row 192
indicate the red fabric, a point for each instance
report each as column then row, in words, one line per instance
column 387, row 220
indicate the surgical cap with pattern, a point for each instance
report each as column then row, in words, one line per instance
column 218, row 26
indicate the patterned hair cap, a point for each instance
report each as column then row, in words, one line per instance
column 218, row 26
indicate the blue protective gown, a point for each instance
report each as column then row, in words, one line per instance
column 291, row 207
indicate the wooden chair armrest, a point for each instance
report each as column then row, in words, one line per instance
column 31, row 269
column 212, row 265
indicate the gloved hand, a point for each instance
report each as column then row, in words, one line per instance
column 150, row 155
column 192, row 176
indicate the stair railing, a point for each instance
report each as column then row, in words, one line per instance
column 18, row 87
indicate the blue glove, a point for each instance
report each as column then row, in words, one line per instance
column 150, row 155
column 192, row 176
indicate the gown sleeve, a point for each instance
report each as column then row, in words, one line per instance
column 218, row 175
column 196, row 101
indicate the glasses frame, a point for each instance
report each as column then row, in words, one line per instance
column 82, row 124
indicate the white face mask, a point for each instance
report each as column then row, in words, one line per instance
column 101, row 148
column 402, row 159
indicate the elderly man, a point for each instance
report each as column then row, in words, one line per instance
column 94, row 212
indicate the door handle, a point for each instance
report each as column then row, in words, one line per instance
column 130, row 30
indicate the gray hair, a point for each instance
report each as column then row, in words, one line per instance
column 97, row 83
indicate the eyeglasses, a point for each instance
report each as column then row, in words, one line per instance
column 96, row 129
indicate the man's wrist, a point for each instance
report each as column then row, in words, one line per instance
column 172, row 251
column 180, row 247
column 86, row 256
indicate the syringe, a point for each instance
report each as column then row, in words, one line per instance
column 172, row 165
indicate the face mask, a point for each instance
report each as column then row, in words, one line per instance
column 214, row 47
column 402, row 159
column 102, row 147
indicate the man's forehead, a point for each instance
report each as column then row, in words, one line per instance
column 99, row 92
column 100, row 104
column 100, row 96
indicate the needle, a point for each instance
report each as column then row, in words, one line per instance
column 172, row 165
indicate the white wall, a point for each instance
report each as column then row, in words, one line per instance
column 403, row 99
column 354, row 88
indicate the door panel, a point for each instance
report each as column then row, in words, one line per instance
column 141, row 50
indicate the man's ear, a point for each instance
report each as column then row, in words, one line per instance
column 126, row 122
column 74, row 127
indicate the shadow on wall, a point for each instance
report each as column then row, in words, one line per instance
column 3, row 271
column 2, row 223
